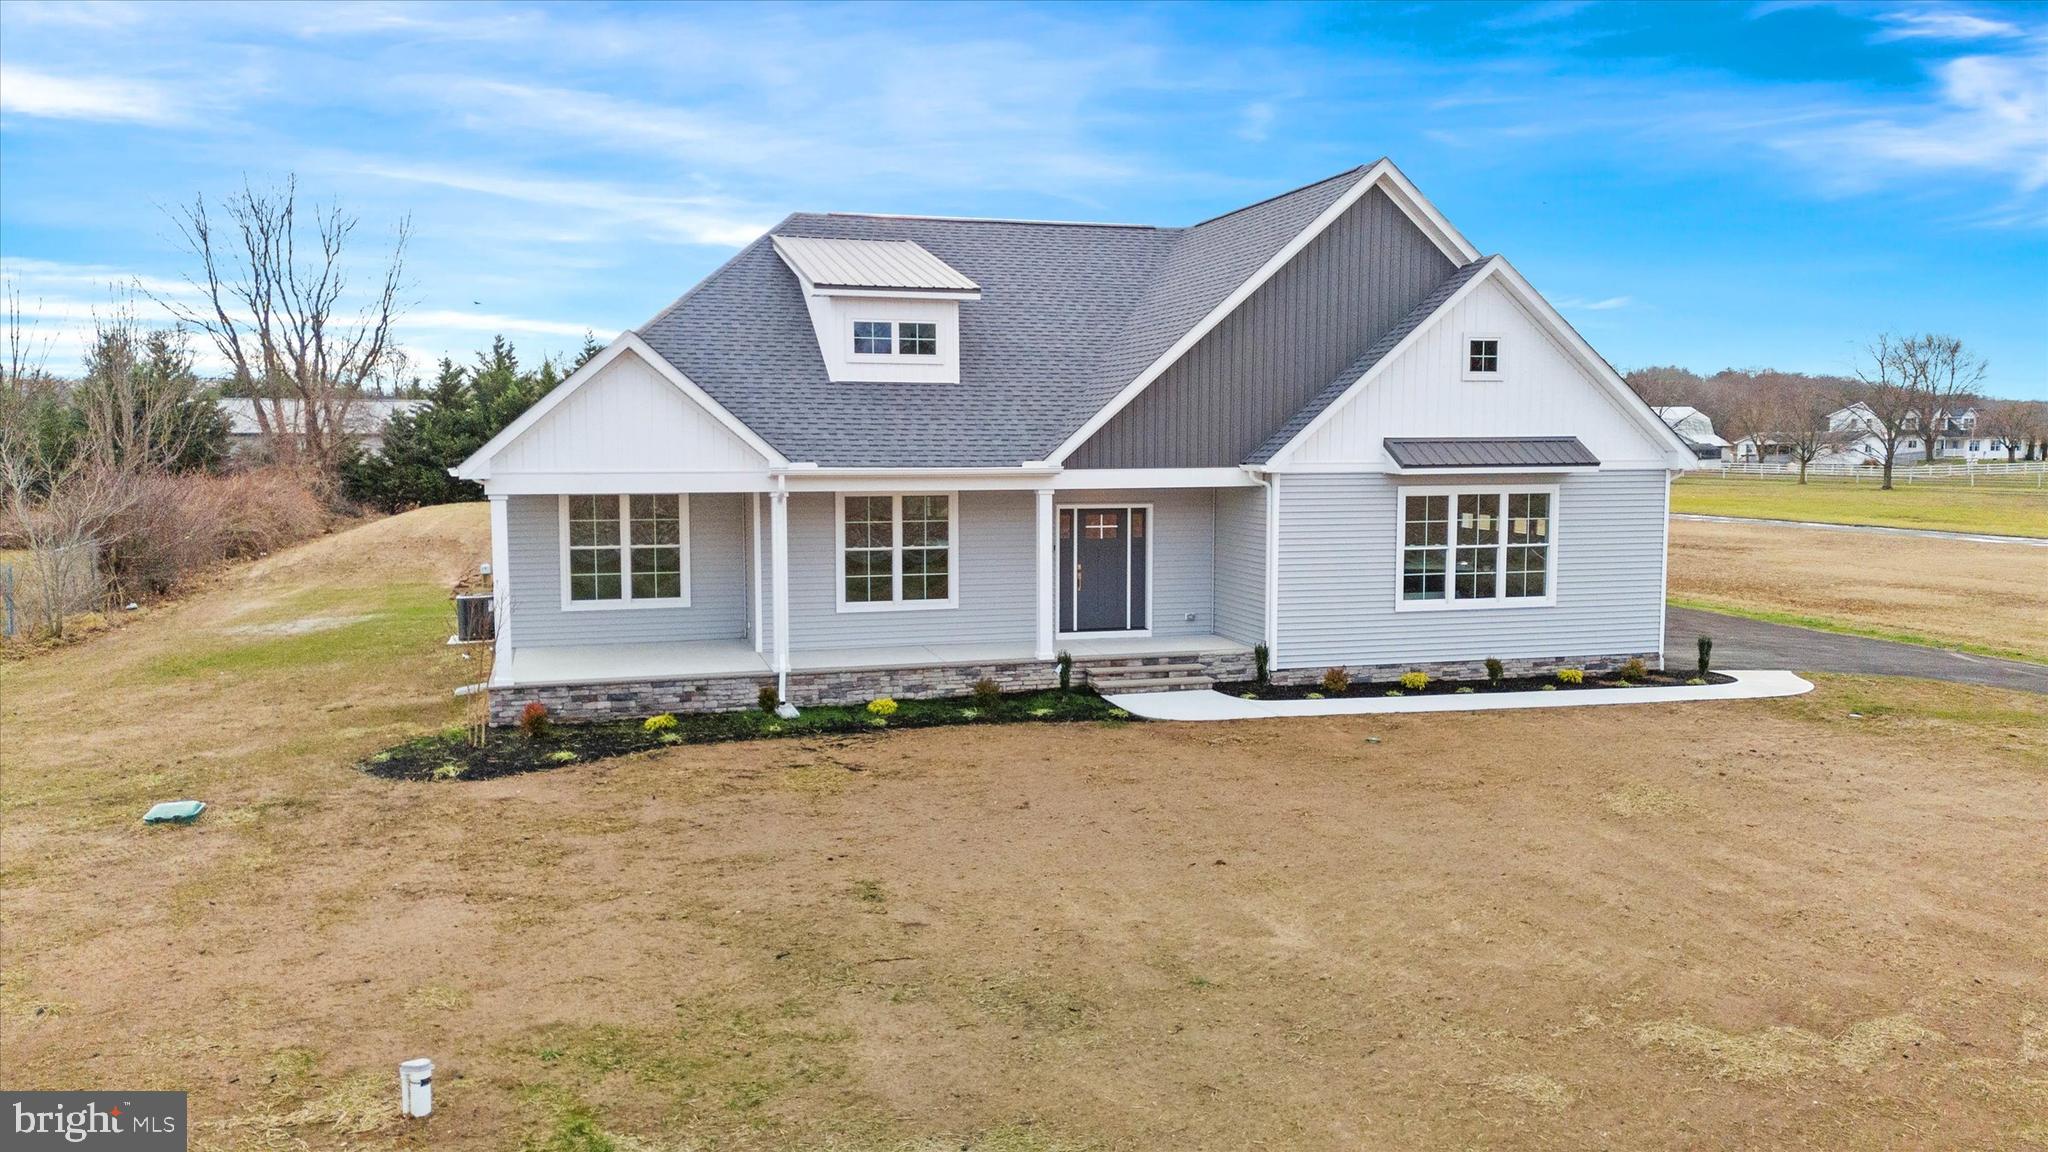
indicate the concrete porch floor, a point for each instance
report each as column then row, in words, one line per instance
column 620, row 663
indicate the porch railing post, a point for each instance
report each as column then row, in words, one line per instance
column 778, row 547
column 1048, row 602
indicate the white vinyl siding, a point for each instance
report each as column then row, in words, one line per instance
column 1241, row 564
column 718, row 558
column 1183, row 563
column 1339, row 575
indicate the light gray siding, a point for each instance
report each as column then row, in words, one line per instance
column 998, row 580
column 1337, row 576
column 1183, row 535
column 1241, row 564
column 1217, row 404
column 718, row 580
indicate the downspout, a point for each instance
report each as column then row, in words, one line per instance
column 779, row 565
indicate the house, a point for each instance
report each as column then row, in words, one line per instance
column 893, row 455
column 1955, row 437
column 1752, row 450
column 365, row 418
column 1696, row 428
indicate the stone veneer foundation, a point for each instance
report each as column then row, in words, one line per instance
column 1469, row 669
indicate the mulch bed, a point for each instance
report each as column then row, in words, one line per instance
column 448, row 755
column 1603, row 682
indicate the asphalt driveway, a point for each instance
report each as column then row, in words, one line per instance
column 1745, row 643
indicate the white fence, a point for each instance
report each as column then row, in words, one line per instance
column 2018, row 474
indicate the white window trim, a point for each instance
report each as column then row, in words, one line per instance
column 1500, row 357
column 1450, row 602
column 626, row 599
column 894, row 356
column 1151, row 580
column 896, row 602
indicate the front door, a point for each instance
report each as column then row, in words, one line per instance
column 1104, row 567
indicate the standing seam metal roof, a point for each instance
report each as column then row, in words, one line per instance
column 840, row 263
column 1491, row 452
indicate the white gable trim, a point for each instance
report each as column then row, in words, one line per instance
column 1677, row 454
column 1381, row 175
column 478, row 466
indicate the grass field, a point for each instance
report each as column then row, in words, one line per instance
column 1755, row 925
column 1991, row 599
column 1950, row 507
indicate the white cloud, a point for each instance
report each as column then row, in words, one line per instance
column 1942, row 24
column 1255, row 122
column 1611, row 303
column 689, row 219
column 24, row 92
column 494, row 323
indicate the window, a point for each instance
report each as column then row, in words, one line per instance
column 871, row 338
column 1482, row 358
column 621, row 551
column 917, row 339
column 1475, row 546
column 896, row 551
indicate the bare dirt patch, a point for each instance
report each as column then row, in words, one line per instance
column 1069, row 937
column 1990, row 596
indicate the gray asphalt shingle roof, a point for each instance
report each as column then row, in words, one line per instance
column 1491, row 452
column 1069, row 314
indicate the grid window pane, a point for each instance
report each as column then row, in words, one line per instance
column 595, row 571
column 1422, row 574
column 917, row 339
column 868, row 575
column 871, row 337
column 1429, row 521
column 1484, row 356
column 1425, row 536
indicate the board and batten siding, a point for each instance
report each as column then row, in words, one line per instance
column 719, row 561
column 627, row 418
column 1338, row 544
column 1256, row 368
column 1241, row 564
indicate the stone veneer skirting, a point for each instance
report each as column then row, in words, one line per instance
column 1470, row 669
column 625, row 700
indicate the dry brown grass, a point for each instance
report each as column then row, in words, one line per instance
column 1991, row 597
column 1806, row 931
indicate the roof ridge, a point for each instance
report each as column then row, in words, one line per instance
column 1360, row 169
column 1024, row 220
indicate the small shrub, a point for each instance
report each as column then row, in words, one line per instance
column 1706, row 647
column 1697, row 680
column 987, row 694
column 565, row 756
column 1571, row 675
column 1632, row 670
column 1262, row 657
column 1466, row 690
column 657, row 724
column 1395, row 692
column 884, row 707
column 1312, row 696
column 1066, row 660
column 969, row 713
column 449, row 770
column 1415, row 681
column 767, row 698
column 1247, row 695
column 1495, row 672
column 533, row 720
column 1549, row 688
column 1041, row 712
column 1336, row 681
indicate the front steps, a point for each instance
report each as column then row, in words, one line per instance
column 1179, row 672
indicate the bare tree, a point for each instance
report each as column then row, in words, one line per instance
column 1752, row 409
column 273, row 314
column 2013, row 423
column 1804, row 404
column 1663, row 386
column 1911, row 382
column 135, row 419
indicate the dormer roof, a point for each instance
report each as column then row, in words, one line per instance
column 874, row 265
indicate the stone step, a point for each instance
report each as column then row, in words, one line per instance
column 1142, row 669
column 1153, row 684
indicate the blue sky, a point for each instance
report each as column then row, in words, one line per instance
column 1708, row 185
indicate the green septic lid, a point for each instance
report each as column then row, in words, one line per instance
column 174, row 812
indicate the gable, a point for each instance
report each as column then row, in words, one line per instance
column 626, row 417
column 1546, row 390
column 1221, row 400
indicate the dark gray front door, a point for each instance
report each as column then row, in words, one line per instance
column 1102, row 566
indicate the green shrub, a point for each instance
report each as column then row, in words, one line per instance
column 564, row 756
column 883, row 707
column 987, row 694
column 1495, row 671
column 767, row 698
column 448, row 770
column 1706, row 646
column 533, row 720
column 1066, row 660
column 1336, row 681
column 1466, row 690
column 1571, row 675
column 1632, row 670
column 1549, row 688
column 1312, row 696
column 1415, row 681
column 1262, row 658
column 1697, row 680
column 1395, row 692
column 665, row 722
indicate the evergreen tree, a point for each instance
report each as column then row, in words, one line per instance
column 464, row 408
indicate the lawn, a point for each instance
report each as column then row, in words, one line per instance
column 1991, row 599
column 1766, row 924
column 1949, row 507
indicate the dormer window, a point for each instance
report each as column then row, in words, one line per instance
column 1482, row 358
column 885, row 311
column 917, row 339
column 895, row 338
column 871, row 338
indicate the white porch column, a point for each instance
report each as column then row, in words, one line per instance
column 778, row 549
column 1048, row 597
column 501, row 587
column 1272, row 570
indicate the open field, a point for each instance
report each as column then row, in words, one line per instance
column 1986, row 598
column 1953, row 508
column 1758, row 925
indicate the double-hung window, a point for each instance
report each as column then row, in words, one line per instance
column 625, row 551
column 896, row 551
column 1470, row 547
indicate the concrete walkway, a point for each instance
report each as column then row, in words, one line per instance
column 1211, row 705
column 1872, row 529
column 1742, row 642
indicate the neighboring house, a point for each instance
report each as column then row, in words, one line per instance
column 1696, row 428
column 1955, row 437
column 365, row 418
column 1751, row 450
column 893, row 455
